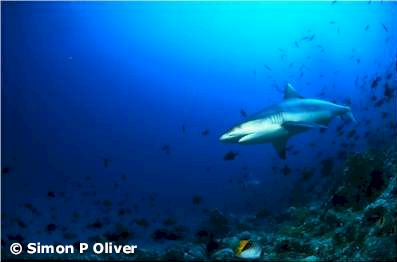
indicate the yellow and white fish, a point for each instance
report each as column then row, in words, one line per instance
column 248, row 249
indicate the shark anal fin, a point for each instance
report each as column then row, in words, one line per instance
column 280, row 145
column 298, row 125
column 290, row 92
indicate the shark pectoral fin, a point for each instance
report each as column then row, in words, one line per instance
column 280, row 145
column 297, row 125
column 290, row 92
column 349, row 115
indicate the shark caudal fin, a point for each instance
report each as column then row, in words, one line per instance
column 290, row 92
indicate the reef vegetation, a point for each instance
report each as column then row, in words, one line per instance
column 356, row 220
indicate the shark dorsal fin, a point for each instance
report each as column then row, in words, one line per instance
column 290, row 92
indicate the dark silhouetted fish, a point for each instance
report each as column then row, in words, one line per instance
column 5, row 170
column 142, row 222
column 21, row 224
column 327, row 166
column 306, row 174
column 384, row 115
column 196, row 200
column 385, row 28
column 205, row 132
column 286, row 171
column 51, row 194
column 166, row 149
column 388, row 92
column 51, row 227
column 96, row 225
column 105, row 162
column 18, row 238
column 375, row 82
column 231, row 155
column 351, row 133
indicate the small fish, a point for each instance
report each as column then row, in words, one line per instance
column 248, row 249
column 243, row 113
column 342, row 154
column 21, row 224
column 307, row 174
column 231, row 155
column 105, row 162
column 205, row 132
column 169, row 221
column 351, row 133
column 69, row 236
column 17, row 238
column 366, row 28
column 308, row 37
column 263, row 213
column 95, row 225
column 5, row 170
column 327, row 167
column 166, row 149
column 267, row 67
column 388, row 92
column 142, row 222
column 286, row 170
column 183, row 129
column 196, row 200
column 385, row 28
column 375, row 82
column 379, row 102
column 51, row 194
column 107, row 203
column 51, row 227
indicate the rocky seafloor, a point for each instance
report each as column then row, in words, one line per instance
column 355, row 221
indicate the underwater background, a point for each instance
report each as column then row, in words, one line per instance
column 112, row 113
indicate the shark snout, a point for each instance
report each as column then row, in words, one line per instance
column 225, row 137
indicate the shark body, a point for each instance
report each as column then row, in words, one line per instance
column 276, row 124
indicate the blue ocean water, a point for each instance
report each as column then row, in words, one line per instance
column 117, row 107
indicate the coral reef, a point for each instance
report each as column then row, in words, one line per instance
column 356, row 221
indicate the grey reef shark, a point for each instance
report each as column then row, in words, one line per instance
column 277, row 123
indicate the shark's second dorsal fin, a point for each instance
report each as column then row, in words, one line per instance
column 290, row 92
